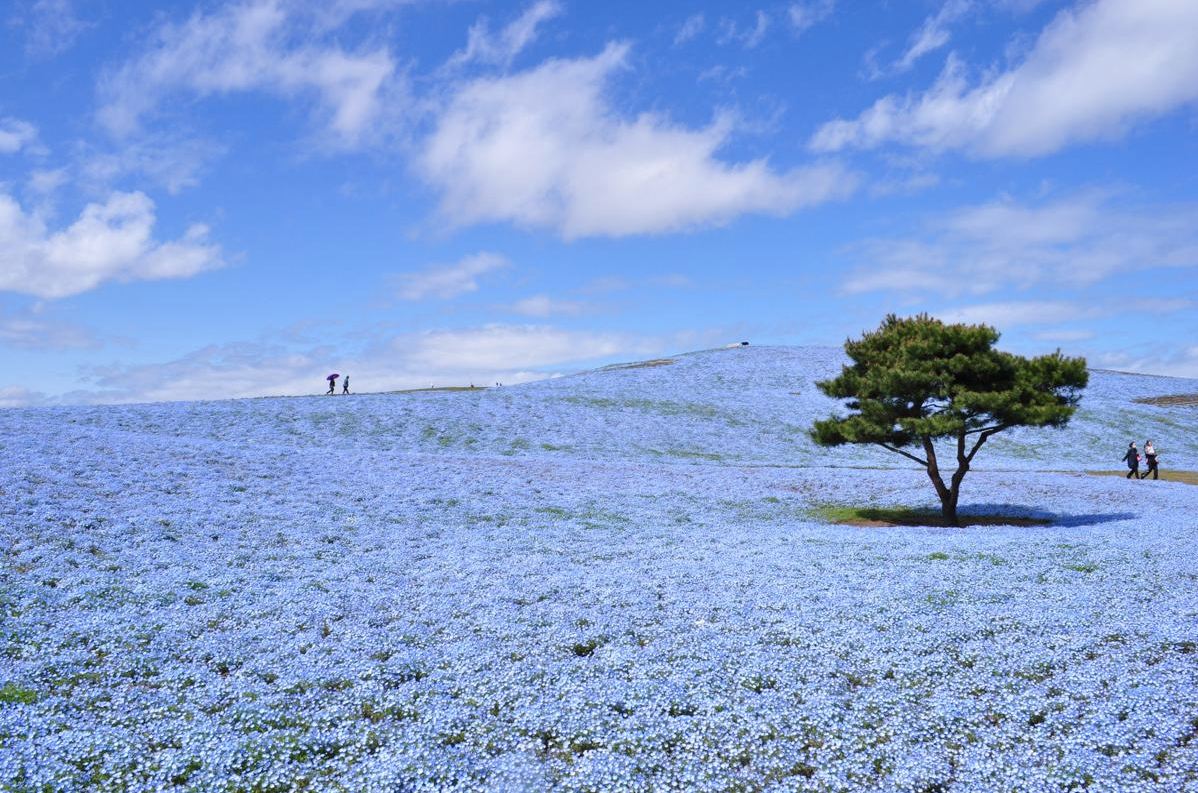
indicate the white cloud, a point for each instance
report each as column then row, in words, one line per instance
column 691, row 28
column 1093, row 72
column 508, row 354
column 51, row 27
column 545, row 306
column 18, row 397
column 15, row 135
column 1024, row 312
column 446, row 281
column 544, row 148
column 1064, row 335
column 482, row 46
column 933, row 33
column 110, row 241
column 510, row 347
column 254, row 45
column 25, row 330
column 749, row 38
column 1077, row 240
column 672, row 281
column 44, row 182
column 804, row 15
column 173, row 164
column 1176, row 362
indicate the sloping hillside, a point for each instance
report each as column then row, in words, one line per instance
column 747, row 405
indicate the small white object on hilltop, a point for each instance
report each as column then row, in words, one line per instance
column 736, row 344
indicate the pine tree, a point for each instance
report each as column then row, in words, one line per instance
column 917, row 380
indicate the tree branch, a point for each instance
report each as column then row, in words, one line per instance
column 909, row 456
column 996, row 428
column 983, row 438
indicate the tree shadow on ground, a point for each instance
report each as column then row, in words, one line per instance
column 1045, row 517
column 971, row 515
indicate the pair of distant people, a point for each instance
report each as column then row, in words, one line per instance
column 1132, row 458
column 333, row 386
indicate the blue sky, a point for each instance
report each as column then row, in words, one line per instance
column 230, row 199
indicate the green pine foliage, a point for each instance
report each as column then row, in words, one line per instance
column 916, row 380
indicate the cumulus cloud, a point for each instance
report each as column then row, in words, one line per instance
column 109, row 241
column 451, row 280
column 1094, row 71
column 15, row 135
column 499, row 49
column 254, row 45
column 544, row 148
column 1080, row 239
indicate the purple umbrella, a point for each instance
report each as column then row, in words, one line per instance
column 333, row 376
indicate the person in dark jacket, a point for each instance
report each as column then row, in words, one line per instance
column 332, row 386
column 345, row 385
column 1132, row 458
column 1150, row 459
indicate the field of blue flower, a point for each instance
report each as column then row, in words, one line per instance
column 611, row 581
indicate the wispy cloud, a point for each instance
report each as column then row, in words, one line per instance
column 545, row 148
column 691, row 28
column 546, row 306
column 1081, row 239
column 499, row 49
column 45, row 181
column 808, row 14
column 1094, row 72
column 451, row 280
column 1018, row 313
column 481, row 355
column 1152, row 359
column 934, row 33
column 748, row 37
column 253, row 45
column 27, row 330
column 1064, row 335
column 50, row 27
column 15, row 135
column 172, row 163
column 1023, row 312
column 111, row 241
column 18, row 396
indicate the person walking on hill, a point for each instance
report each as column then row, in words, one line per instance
column 1133, row 461
column 345, row 385
column 332, row 385
column 1150, row 459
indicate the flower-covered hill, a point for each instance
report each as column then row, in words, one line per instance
column 743, row 405
column 603, row 582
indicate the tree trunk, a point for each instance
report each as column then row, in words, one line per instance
column 948, row 507
column 948, row 497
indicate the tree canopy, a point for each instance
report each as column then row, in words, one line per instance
column 915, row 380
